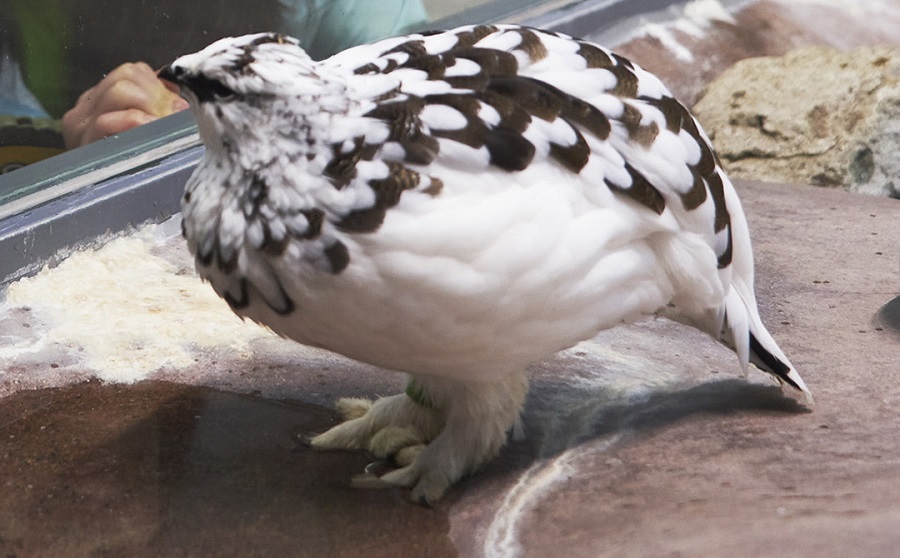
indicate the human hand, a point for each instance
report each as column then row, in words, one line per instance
column 128, row 96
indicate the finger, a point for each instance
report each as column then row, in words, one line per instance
column 129, row 95
column 173, row 87
column 124, row 94
column 178, row 104
column 111, row 123
column 130, row 85
column 138, row 72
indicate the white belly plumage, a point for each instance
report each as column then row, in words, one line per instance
column 475, row 284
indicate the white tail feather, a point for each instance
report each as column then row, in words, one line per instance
column 743, row 329
column 737, row 328
column 745, row 333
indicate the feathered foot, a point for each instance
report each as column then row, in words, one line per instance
column 437, row 432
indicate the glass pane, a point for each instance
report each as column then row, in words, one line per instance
column 54, row 53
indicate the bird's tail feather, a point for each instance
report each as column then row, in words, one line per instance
column 742, row 329
column 744, row 332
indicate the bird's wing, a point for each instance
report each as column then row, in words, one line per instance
column 520, row 96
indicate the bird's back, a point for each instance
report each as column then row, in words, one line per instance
column 506, row 98
column 542, row 178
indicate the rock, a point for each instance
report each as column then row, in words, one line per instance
column 817, row 115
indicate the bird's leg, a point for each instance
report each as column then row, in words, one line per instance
column 395, row 427
column 437, row 432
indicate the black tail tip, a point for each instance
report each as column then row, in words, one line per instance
column 785, row 374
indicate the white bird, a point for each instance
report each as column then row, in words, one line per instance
column 456, row 206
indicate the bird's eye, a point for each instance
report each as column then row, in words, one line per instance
column 210, row 89
column 221, row 92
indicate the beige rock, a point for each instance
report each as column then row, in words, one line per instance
column 817, row 115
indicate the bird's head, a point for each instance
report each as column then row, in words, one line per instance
column 237, row 85
column 235, row 67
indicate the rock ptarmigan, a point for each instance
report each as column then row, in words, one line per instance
column 455, row 206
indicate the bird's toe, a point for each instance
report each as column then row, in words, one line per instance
column 392, row 440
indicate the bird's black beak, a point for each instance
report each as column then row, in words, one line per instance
column 203, row 88
column 170, row 74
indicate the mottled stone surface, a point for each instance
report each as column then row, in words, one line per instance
column 763, row 28
column 817, row 115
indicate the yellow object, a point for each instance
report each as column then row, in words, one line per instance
column 16, row 156
column 24, row 141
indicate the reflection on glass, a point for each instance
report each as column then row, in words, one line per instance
column 60, row 55
column 64, row 66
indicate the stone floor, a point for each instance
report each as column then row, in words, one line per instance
column 643, row 442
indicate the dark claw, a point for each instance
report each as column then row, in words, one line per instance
column 379, row 468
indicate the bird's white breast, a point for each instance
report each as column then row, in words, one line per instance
column 485, row 279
